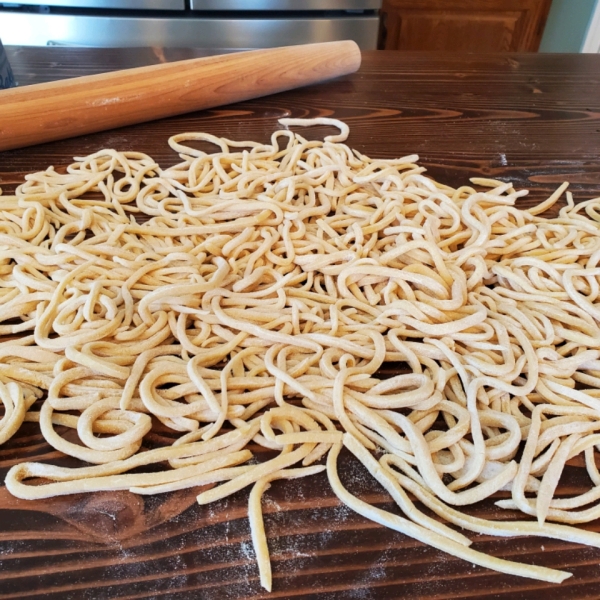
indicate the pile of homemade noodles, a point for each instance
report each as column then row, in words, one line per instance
column 256, row 301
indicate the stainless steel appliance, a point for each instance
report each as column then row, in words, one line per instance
column 239, row 24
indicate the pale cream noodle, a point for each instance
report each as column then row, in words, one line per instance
column 251, row 296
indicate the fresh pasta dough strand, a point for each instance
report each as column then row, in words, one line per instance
column 256, row 294
column 430, row 537
column 398, row 494
column 257, row 528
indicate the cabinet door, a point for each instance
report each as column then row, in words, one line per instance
column 468, row 25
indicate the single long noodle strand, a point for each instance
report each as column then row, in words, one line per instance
column 430, row 537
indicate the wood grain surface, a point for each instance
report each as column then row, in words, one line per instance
column 465, row 25
column 533, row 119
column 56, row 110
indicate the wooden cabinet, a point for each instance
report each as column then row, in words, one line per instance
column 467, row 25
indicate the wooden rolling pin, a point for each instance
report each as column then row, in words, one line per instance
column 60, row 109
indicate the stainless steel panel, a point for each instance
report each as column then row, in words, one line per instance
column 123, row 4
column 285, row 4
column 203, row 32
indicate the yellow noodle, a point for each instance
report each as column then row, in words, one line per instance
column 251, row 295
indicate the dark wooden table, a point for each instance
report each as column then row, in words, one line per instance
column 534, row 119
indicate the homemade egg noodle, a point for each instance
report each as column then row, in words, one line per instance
column 250, row 296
